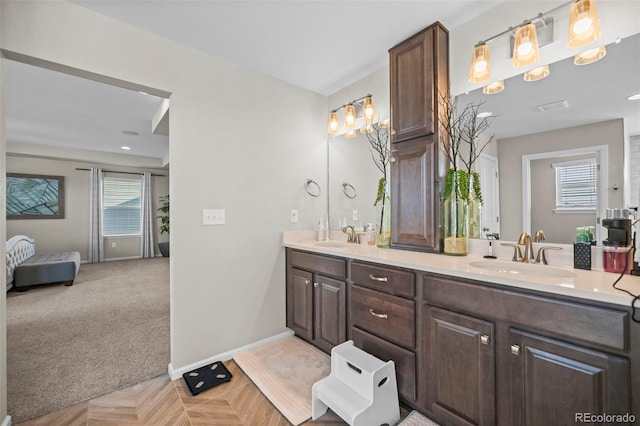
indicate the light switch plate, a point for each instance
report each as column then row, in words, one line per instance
column 213, row 217
column 293, row 215
column 355, row 215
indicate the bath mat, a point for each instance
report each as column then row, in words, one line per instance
column 206, row 377
column 285, row 371
column 416, row 419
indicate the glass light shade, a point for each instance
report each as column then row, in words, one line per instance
column 334, row 127
column 493, row 88
column 351, row 134
column 590, row 56
column 369, row 109
column 350, row 117
column 480, row 69
column 584, row 23
column 525, row 49
column 367, row 128
column 537, row 73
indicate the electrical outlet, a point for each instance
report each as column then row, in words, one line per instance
column 355, row 215
column 213, row 217
column 113, row 244
column 293, row 215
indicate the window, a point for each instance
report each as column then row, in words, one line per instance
column 576, row 185
column 121, row 206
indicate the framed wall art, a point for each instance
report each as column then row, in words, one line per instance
column 35, row 196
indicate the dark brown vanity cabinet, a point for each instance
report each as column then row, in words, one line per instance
column 316, row 298
column 419, row 73
column 496, row 356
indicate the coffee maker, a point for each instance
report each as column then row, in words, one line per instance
column 618, row 247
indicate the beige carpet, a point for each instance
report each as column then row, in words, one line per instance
column 285, row 371
column 108, row 331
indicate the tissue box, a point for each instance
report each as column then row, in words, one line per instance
column 582, row 255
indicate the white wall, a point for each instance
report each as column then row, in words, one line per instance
column 72, row 232
column 239, row 140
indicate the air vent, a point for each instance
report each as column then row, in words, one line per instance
column 553, row 106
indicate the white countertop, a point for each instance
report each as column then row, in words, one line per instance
column 594, row 284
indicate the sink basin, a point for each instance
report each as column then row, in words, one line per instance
column 332, row 244
column 515, row 268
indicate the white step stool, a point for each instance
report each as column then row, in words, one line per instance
column 361, row 389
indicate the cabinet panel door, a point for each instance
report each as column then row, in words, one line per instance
column 299, row 303
column 551, row 381
column 330, row 312
column 415, row 188
column 460, row 368
column 412, row 87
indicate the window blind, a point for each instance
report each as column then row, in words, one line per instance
column 121, row 212
column 576, row 184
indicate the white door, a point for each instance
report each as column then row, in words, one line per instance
column 490, row 218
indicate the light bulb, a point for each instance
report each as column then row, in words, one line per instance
column 582, row 25
column 524, row 48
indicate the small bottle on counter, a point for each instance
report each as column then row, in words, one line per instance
column 321, row 230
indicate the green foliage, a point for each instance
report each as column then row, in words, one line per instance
column 477, row 193
column 448, row 183
column 381, row 184
column 463, row 183
column 164, row 217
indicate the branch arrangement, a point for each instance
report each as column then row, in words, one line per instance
column 378, row 136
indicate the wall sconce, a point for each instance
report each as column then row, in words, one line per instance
column 537, row 73
column 493, row 88
column 590, row 56
column 364, row 105
column 584, row 28
column 584, row 23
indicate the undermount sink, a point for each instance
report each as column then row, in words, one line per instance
column 516, row 268
column 332, row 244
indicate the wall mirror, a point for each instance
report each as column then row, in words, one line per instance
column 572, row 108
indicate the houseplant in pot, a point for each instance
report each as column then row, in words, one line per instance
column 164, row 224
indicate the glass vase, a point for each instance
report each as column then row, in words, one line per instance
column 475, row 217
column 455, row 215
column 383, row 224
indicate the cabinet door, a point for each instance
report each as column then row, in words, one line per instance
column 412, row 87
column 329, row 312
column 414, row 195
column 552, row 381
column 299, row 303
column 460, row 368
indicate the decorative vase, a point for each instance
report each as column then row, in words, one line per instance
column 475, row 216
column 455, row 215
column 383, row 210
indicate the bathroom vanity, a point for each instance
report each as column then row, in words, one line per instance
column 473, row 344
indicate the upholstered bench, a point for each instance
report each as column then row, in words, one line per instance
column 25, row 268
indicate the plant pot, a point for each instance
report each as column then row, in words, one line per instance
column 164, row 248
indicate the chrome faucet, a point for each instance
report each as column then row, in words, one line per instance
column 352, row 237
column 525, row 239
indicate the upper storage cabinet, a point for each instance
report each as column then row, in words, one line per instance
column 419, row 67
column 419, row 78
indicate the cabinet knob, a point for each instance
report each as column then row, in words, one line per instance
column 316, row 285
column 380, row 279
column 515, row 349
column 372, row 312
column 307, row 282
column 484, row 339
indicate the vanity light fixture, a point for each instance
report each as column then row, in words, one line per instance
column 351, row 134
column 590, row 56
column 525, row 51
column 584, row 23
column 480, row 69
column 364, row 107
column 537, row 73
column 493, row 88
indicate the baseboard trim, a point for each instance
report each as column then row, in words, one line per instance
column 113, row 259
column 225, row 356
column 6, row 421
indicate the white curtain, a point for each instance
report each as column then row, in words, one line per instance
column 148, row 246
column 96, row 239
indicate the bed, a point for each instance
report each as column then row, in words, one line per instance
column 25, row 268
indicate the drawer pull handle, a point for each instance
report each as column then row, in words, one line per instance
column 381, row 279
column 484, row 339
column 372, row 312
column 515, row 349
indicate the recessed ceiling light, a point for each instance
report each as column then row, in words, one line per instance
column 130, row 133
column 484, row 114
column 126, row 148
column 553, row 106
column 634, row 97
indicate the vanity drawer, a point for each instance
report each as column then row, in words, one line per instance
column 404, row 360
column 389, row 317
column 332, row 266
column 390, row 280
column 591, row 324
